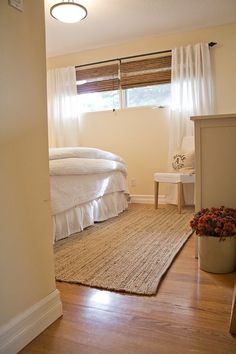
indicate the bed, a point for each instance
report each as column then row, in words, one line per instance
column 88, row 185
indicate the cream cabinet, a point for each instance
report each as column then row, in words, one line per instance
column 215, row 154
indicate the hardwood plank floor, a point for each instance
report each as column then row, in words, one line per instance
column 189, row 314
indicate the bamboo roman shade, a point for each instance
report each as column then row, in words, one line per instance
column 124, row 74
column 152, row 71
column 97, row 79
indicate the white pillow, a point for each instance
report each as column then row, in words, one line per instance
column 183, row 161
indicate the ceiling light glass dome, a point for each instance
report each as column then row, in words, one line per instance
column 68, row 12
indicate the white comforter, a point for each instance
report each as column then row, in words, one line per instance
column 80, row 175
column 84, row 152
column 84, row 166
column 83, row 161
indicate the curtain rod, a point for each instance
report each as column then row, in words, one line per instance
column 211, row 44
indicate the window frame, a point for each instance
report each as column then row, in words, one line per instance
column 130, row 74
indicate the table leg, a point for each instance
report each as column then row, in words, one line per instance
column 156, row 190
column 180, row 193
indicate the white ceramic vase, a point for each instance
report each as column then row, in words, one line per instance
column 216, row 256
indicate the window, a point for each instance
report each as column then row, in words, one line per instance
column 143, row 82
column 99, row 101
column 156, row 95
column 146, row 82
column 97, row 87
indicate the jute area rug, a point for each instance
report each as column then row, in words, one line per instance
column 129, row 253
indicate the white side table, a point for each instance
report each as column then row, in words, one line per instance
column 172, row 177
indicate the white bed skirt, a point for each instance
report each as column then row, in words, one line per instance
column 81, row 216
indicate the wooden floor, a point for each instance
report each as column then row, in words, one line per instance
column 189, row 314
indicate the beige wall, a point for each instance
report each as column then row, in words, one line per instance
column 141, row 135
column 127, row 132
column 26, row 261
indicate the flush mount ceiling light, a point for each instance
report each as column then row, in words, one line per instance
column 68, row 11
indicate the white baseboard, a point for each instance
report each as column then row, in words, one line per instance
column 22, row 329
column 147, row 199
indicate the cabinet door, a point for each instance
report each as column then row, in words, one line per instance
column 215, row 152
column 218, row 166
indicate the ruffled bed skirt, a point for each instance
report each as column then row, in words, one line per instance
column 82, row 216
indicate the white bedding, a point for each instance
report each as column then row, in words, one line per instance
column 72, row 190
column 82, row 152
column 81, row 216
column 85, row 179
column 84, row 166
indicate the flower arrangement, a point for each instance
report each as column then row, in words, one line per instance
column 216, row 222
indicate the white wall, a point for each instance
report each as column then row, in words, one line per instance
column 26, row 257
column 141, row 135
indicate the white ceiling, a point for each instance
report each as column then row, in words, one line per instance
column 112, row 21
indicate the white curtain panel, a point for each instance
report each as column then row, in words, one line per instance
column 191, row 94
column 63, row 116
column 191, row 90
